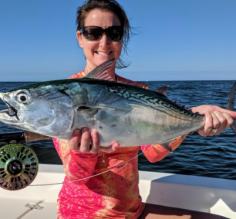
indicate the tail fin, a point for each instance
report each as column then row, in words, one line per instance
column 230, row 105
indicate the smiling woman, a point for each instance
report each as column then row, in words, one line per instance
column 102, row 49
column 103, row 30
column 105, row 188
column 186, row 38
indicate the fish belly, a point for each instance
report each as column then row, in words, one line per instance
column 142, row 126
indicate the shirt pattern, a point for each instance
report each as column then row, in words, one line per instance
column 114, row 194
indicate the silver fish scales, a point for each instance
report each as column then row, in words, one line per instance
column 124, row 113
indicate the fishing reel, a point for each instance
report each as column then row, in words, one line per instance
column 18, row 162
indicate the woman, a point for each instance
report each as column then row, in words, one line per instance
column 103, row 30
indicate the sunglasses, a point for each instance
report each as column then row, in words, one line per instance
column 94, row 33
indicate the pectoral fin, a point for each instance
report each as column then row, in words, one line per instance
column 86, row 109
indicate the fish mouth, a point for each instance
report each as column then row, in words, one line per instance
column 11, row 111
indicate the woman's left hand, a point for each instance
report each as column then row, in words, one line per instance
column 216, row 119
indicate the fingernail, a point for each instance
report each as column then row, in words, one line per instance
column 94, row 132
column 116, row 146
column 85, row 130
column 77, row 132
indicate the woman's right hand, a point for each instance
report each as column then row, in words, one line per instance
column 89, row 142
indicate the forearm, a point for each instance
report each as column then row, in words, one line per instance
column 78, row 165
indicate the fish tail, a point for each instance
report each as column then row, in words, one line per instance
column 230, row 105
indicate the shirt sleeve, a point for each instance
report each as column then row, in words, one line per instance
column 157, row 152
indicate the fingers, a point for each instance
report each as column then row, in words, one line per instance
column 74, row 140
column 84, row 141
column 230, row 120
column 203, row 109
column 89, row 142
column 95, row 142
column 215, row 123
column 208, row 124
column 222, row 111
column 220, row 122
column 110, row 149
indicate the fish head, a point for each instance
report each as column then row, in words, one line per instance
column 25, row 109
column 38, row 110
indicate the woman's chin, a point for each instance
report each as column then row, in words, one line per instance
column 101, row 60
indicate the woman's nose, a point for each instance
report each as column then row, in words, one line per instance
column 104, row 40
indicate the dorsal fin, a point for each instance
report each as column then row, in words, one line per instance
column 162, row 90
column 100, row 72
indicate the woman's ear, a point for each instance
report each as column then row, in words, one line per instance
column 79, row 38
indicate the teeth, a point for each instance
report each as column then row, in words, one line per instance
column 104, row 53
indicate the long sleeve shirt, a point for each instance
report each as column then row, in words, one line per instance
column 113, row 194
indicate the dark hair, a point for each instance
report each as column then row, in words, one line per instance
column 110, row 5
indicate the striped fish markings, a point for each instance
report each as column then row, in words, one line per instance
column 124, row 113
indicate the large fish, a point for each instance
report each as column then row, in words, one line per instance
column 120, row 112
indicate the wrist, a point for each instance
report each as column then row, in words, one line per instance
column 83, row 154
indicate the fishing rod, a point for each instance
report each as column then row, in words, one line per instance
column 20, row 137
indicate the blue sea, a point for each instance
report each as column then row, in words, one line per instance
column 202, row 156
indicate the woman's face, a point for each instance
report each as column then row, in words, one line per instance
column 97, row 52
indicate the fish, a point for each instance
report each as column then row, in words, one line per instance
column 120, row 112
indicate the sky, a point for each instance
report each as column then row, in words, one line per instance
column 174, row 40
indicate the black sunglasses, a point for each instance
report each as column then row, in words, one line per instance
column 94, row 33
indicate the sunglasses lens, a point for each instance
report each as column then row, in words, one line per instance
column 92, row 33
column 115, row 33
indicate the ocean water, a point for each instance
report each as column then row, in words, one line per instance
column 202, row 156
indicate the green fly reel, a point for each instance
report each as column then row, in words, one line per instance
column 18, row 166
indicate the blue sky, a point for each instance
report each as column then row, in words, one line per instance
column 176, row 40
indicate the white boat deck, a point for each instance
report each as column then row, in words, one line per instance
column 216, row 196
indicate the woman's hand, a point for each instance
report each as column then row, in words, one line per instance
column 89, row 142
column 216, row 119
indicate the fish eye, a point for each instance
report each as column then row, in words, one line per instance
column 22, row 97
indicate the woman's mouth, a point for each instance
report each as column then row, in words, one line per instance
column 103, row 53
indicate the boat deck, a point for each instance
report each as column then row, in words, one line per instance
column 165, row 212
column 175, row 196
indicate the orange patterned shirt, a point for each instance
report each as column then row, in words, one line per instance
column 114, row 194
